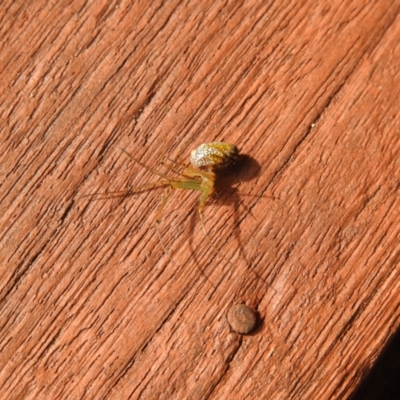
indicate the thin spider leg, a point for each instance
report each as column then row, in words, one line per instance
column 164, row 198
column 154, row 171
column 181, row 149
column 179, row 162
column 128, row 191
column 179, row 159
column 190, row 172
column 171, row 168
column 202, row 203
column 187, row 172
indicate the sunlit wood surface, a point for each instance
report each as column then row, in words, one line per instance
column 305, row 230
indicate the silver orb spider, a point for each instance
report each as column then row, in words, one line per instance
column 200, row 176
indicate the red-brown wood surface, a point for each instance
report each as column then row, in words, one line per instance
column 305, row 230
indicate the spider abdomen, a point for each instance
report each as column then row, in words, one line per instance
column 214, row 155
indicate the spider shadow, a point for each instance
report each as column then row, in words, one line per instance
column 226, row 193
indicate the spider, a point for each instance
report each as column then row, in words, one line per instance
column 200, row 176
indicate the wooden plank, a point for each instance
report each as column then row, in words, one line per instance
column 305, row 230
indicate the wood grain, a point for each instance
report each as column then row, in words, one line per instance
column 305, row 230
